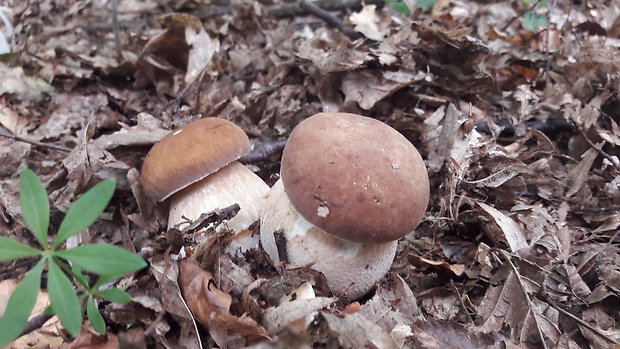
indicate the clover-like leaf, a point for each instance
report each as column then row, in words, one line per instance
column 85, row 210
column 115, row 295
column 10, row 249
column 20, row 305
column 533, row 21
column 94, row 316
column 103, row 259
column 34, row 204
column 64, row 299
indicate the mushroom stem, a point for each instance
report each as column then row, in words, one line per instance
column 233, row 183
column 350, row 268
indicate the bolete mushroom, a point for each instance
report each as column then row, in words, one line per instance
column 196, row 166
column 350, row 187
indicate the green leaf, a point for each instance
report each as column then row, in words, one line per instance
column 533, row 21
column 96, row 320
column 104, row 279
column 425, row 4
column 115, row 295
column 20, row 305
column 10, row 249
column 85, row 210
column 64, row 300
column 34, row 204
column 103, row 259
column 401, row 7
column 76, row 271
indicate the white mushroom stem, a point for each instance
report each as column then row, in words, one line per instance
column 350, row 268
column 234, row 183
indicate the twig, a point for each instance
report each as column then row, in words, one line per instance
column 7, row 134
column 330, row 19
column 581, row 322
column 35, row 323
column 471, row 321
column 294, row 9
column 263, row 150
column 527, row 297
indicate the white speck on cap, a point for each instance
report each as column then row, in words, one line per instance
column 322, row 211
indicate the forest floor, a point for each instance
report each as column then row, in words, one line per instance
column 518, row 126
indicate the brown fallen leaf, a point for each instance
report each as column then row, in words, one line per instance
column 429, row 265
column 89, row 339
column 211, row 307
column 149, row 130
column 434, row 334
column 513, row 234
column 357, row 331
column 183, row 47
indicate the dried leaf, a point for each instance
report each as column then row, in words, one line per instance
column 277, row 318
column 147, row 132
column 433, row 334
column 367, row 88
column 369, row 23
column 442, row 128
column 356, row 331
column 579, row 174
column 89, row 339
column 392, row 305
column 513, row 234
column 210, row 307
column 428, row 265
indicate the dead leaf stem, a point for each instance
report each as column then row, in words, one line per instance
column 581, row 322
column 611, row 159
column 530, row 304
column 7, row 134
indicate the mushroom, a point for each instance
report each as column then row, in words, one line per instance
column 350, row 187
column 196, row 166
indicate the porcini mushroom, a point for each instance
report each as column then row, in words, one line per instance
column 350, row 187
column 196, row 166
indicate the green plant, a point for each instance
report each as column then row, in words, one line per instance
column 533, row 21
column 107, row 261
column 399, row 6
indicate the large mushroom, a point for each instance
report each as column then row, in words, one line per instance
column 196, row 166
column 350, row 187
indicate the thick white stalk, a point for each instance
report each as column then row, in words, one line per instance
column 350, row 268
column 231, row 184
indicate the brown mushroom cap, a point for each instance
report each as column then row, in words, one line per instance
column 191, row 153
column 355, row 177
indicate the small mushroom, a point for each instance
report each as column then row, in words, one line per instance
column 350, row 187
column 196, row 167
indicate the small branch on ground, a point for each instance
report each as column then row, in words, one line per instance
column 35, row 323
column 263, row 150
column 614, row 160
column 6, row 133
column 599, row 332
column 295, row 8
column 330, row 19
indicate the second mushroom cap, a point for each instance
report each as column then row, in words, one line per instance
column 355, row 177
